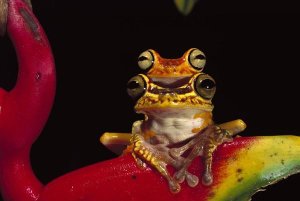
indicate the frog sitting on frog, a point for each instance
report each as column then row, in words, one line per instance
column 175, row 97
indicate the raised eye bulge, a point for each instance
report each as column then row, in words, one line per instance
column 136, row 87
column 146, row 60
column 197, row 59
column 205, row 86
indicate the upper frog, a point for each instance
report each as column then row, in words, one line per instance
column 169, row 71
column 174, row 94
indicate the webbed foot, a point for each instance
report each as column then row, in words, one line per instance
column 156, row 156
column 202, row 145
column 221, row 136
column 182, row 174
column 207, row 178
column 174, row 186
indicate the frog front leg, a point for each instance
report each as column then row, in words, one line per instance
column 232, row 127
column 216, row 137
column 205, row 144
column 201, row 145
column 155, row 155
column 116, row 142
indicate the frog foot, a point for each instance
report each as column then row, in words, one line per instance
column 177, row 152
column 207, row 179
column 156, row 156
column 174, row 187
column 191, row 179
column 173, row 184
column 204, row 144
column 221, row 135
column 215, row 136
column 141, row 164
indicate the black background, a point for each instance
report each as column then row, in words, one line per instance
column 252, row 48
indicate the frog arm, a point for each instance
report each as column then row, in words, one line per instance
column 205, row 144
column 116, row 142
column 233, row 127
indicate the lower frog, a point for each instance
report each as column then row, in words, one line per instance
column 178, row 125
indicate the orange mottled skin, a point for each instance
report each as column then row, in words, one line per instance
column 163, row 67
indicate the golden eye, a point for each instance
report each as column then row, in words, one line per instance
column 197, row 59
column 145, row 60
column 136, row 87
column 205, row 86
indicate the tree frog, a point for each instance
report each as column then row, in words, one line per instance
column 175, row 97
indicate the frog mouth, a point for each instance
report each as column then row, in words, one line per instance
column 182, row 90
column 173, row 86
column 171, row 82
column 172, row 101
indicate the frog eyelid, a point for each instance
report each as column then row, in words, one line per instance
column 206, row 92
column 137, row 86
column 197, row 59
column 146, row 60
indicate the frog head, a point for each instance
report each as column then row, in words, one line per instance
column 172, row 84
column 171, row 71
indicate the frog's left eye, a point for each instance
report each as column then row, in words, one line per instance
column 197, row 59
column 205, row 86
column 145, row 60
column 136, row 87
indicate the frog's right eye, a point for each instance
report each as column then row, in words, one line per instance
column 197, row 59
column 136, row 87
column 146, row 60
column 205, row 86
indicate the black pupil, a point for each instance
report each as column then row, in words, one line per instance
column 133, row 84
column 207, row 84
column 200, row 56
column 142, row 58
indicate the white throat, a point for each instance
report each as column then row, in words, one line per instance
column 175, row 124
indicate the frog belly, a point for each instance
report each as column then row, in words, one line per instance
column 175, row 129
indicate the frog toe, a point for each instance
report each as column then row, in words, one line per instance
column 174, row 152
column 180, row 175
column 207, row 179
column 174, row 186
column 192, row 180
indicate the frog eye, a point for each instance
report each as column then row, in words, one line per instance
column 145, row 60
column 136, row 87
column 197, row 59
column 205, row 86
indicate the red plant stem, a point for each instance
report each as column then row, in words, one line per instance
column 25, row 109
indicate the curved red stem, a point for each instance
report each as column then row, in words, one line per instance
column 25, row 109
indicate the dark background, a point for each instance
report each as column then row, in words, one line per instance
column 252, row 49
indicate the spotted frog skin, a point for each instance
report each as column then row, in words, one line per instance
column 175, row 97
